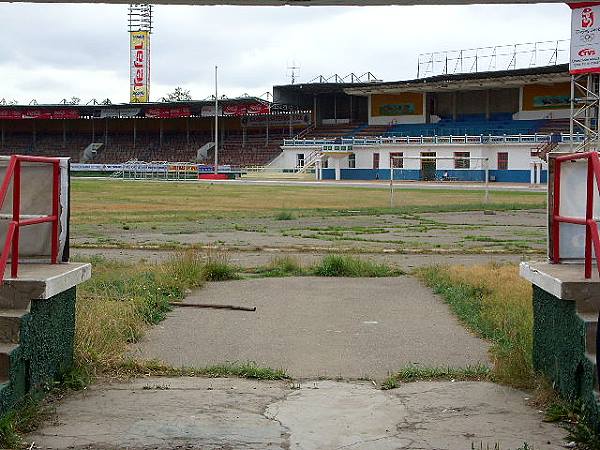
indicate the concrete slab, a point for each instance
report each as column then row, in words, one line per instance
column 200, row 413
column 565, row 281
column 316, row 327
column 40, row 281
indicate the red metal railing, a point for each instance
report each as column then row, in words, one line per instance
column 11, row 243
column 592, row 239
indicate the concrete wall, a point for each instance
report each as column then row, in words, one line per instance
column 46, row 348
column 559, row 351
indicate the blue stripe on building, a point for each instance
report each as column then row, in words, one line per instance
column 501, row 176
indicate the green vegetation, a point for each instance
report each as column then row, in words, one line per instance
column 218, row 268
column 132, row 202
column 131, row 368
column 284, row 266
column 348, row 266
column 494, row 302
column 24, row 418
column 416, row 373
column 122, row 300
column 285, row 215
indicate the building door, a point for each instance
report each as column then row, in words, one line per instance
column 428, row 166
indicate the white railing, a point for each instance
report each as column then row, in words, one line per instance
column 419, row 140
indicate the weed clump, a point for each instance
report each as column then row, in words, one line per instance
column 218, row 268
column 348, row 266
column 284, row 266
column 285, row 215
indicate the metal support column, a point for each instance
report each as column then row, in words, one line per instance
column 585, row 103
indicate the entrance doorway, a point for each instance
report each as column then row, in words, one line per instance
column 428, row 166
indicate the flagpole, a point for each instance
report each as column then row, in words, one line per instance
column 216, row 124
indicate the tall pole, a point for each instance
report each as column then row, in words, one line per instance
column 216, row 123
column 391, row 181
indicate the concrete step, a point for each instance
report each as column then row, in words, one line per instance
column 5, row 351
column 10, row 325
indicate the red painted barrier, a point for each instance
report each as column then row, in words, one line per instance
column 213, row 176
column 11, row 243
column 592, row 238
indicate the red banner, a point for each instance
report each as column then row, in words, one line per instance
column 17, row 114
column 245, row 108
column 168, row 113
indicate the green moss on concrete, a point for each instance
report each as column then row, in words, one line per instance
column 559, row 351
column 46, row 348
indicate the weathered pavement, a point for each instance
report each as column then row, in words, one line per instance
column 200, row 413
column 316, row 327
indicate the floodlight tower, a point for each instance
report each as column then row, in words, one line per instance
column 140, row 28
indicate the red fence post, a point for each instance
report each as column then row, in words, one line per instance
column 16, row 216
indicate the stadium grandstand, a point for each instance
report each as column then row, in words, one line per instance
column 452, row 126
column 465, row 127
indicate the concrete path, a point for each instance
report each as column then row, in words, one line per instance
column 199, row 413
column 316, row 327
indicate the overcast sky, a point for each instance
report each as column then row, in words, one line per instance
column 55, row 51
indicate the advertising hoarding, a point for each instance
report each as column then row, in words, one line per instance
column 139, row 76
column 585, row 38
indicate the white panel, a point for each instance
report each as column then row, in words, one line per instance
column 573, row 188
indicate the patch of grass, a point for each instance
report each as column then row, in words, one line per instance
column 416, row 373
column 495, row 302
column 132, row 368
column 349, row 266
column 283, row 266
column 121, row 300
column 285, row 215
column 24, row 418
column 218, row 268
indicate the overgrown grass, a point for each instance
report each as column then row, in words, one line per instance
column 417, row 373
column 218, row 268
column 23, row 418
column 129, row 368
column 348, row 266
column 122, row 300
column 283, row 266
column 495, row 302
column 285, row 215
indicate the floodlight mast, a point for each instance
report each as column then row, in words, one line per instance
column 216, row 122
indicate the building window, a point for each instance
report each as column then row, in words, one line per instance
column 461, row 160
column 352, row 161
column 300, row 160
column 502, row 160
column 375, row 160
column 397, row 160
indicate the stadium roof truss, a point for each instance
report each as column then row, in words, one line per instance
column 477, row 81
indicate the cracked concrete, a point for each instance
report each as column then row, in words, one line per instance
column 202, row 413
column 316, row 327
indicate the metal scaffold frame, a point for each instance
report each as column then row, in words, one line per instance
column 585, row 105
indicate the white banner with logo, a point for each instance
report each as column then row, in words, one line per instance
column 585, row 38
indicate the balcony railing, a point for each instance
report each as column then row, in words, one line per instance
column 419, row 140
